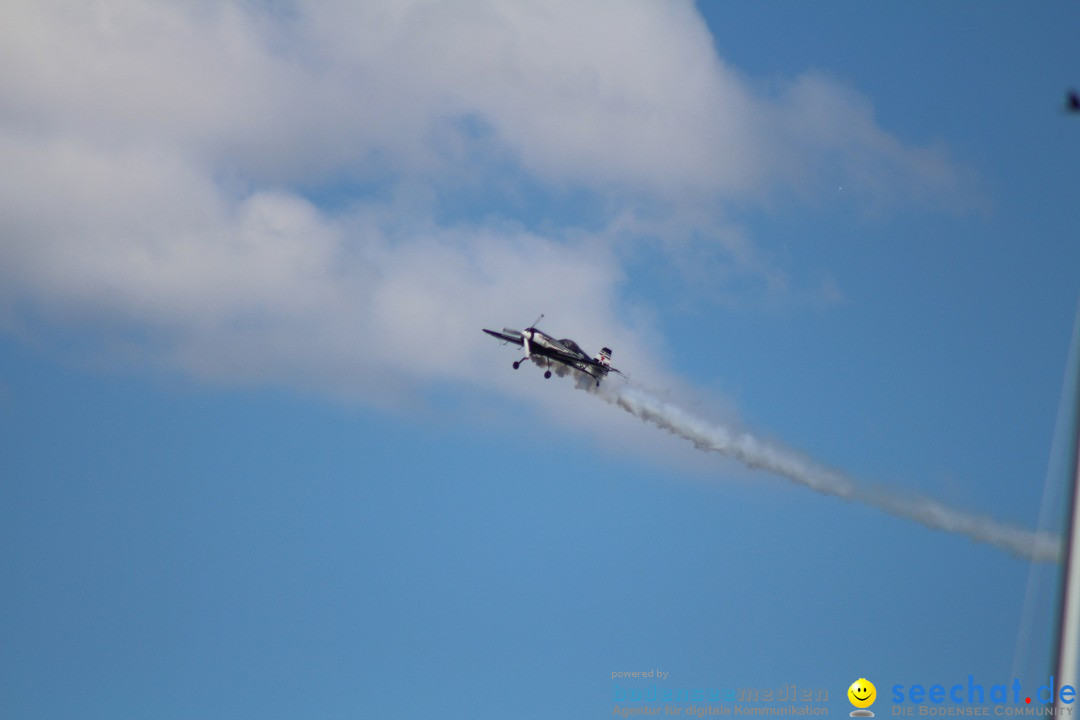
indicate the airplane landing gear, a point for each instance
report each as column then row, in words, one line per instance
column 547, row 375
column 516, row 364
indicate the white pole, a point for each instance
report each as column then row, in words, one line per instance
column 1065, row 672
column 1069, row 639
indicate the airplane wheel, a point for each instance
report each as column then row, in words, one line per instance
column 547, row 374
column 516, row 363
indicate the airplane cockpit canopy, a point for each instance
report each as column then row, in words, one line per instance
column 573, row 346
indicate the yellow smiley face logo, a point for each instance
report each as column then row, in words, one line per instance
column 862, row 693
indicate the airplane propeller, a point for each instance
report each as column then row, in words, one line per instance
column 526, row 336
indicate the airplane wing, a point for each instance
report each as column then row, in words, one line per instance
column 585, row 364
column 604, row 369
column 507, row 335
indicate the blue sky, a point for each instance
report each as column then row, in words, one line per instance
column 257, row 458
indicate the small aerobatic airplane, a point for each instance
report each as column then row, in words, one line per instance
column 546, row 350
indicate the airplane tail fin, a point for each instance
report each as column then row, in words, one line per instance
column 604, row 358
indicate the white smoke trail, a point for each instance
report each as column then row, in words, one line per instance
column 762, row 455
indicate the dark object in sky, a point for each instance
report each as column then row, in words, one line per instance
column 1072, row 101
column 546, row 350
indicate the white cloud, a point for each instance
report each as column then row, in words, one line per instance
column 157, row 156
column 822, row 127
